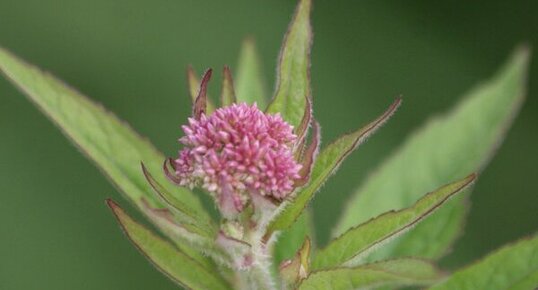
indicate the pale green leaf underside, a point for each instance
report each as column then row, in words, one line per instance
column 364, row 238
column 325, row 164
column 172, row 262
column 293, row 76
column 114, row 147
column 249, row 83
column 395, row 273
column 445, row 149
column 513, row 267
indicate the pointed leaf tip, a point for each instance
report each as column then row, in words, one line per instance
column 172, row 177
column 461, row 140
column 194, row 89
column 293, row 72
column 309, row 156
column 523, row 52
column 302, row 129
column 250, row 84
column 227, row 96
column 200, row 105
column 111, row 203
column 193, row 83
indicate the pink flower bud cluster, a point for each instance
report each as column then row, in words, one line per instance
column 238, row 151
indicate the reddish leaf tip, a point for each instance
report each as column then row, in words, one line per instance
column 200, row 103
column 398, row 101
column 171, row 176
column 112, row 204
column 471, row 177
column 207, row 74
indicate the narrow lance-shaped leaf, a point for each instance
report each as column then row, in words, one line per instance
column 513, row 267
column 447, row 147
column 293, row 72
column 393, row 273
column 200, row 104
column 325, row 164
column 358, row 241
column 249, row 83
column 302, row 131
column 194, row 89
column 165, row 257
column 227, row 96
column 309, row 155
column 114, row 147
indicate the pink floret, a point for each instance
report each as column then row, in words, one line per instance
column 236, row 151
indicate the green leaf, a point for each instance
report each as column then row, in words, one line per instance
column 359, row 241
column 184, row 227
column 395, row 273
column 165, row 257
column 168, row 198
column 293, row 72
column 114, row 147
column 250, row 85
column 526, row 283
column 512, row 267
column 445, row 149
column 325, row 164
column 227, row 96
column 186, row 236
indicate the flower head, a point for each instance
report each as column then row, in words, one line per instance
column 240, row 154
column 238, row 151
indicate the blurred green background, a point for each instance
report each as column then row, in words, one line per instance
column 56, row 232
